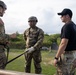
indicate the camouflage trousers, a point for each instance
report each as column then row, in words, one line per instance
column 36, row 56
column 67, row 63
column 3, row 60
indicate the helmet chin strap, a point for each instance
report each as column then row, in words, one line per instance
column 32, row 27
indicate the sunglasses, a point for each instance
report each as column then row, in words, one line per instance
column 31, row 21
column 62, row 15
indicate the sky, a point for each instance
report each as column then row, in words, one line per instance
column 18, row 11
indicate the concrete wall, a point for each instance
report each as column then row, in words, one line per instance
column 7, row 72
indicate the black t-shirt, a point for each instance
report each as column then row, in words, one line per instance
column 69, row 32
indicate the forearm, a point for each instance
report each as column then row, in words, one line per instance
column 38, row 44
column 60, row 50
column 62, row 47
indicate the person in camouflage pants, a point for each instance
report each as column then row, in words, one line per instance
column 67, row 63
column 3, row 39
column 34, row 38
column 65, row 59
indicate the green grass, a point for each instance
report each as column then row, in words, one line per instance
column 18, row 64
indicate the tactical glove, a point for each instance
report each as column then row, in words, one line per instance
column 30, row 50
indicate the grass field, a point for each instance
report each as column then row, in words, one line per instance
column 18, row 64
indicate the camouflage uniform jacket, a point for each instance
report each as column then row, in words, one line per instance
column 34, row 37
column 3, row 36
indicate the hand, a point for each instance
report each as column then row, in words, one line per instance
column 30, row 50
column 1, row 22
column 7, row 42
column 55, row 62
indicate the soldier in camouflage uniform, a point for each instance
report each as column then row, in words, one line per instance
column 3, row 40
column 34, row 38
column 65, row 59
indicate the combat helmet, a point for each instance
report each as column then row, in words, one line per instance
column 32, row 18
column 3, row 5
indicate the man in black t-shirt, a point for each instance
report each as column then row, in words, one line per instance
column 65, row 59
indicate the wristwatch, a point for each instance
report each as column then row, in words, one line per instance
column 56, row 58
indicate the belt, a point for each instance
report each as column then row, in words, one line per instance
column 1, row 47
column 2, row 44
column 70, row 51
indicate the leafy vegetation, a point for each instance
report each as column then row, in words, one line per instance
column 19, row 43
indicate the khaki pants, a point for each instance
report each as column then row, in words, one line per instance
column 67, row 63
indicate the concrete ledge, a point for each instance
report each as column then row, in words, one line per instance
column 7, row 72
